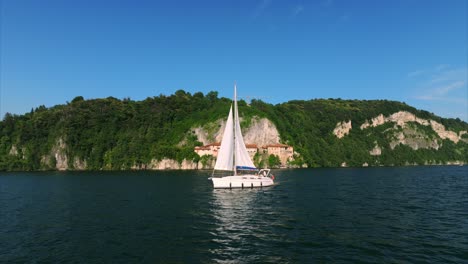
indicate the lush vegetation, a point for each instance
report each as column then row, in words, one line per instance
column 120, row 134
column 308, row 126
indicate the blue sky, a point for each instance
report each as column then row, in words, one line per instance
column 413, row 51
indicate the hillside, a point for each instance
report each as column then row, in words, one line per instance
column 160, row 132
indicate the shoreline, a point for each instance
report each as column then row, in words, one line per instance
column 210, row 169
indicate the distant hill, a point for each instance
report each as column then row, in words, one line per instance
column 112, row 134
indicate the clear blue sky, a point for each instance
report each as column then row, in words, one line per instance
column 413, row 51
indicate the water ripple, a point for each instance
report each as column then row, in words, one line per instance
column 373, row 215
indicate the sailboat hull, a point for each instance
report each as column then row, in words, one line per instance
column 242, row 181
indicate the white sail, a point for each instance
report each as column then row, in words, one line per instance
column 233, row 156
column 242, row 156
column 225, row 154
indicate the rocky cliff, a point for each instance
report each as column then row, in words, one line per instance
column 406, row 129
column 261, row 131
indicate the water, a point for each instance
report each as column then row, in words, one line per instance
column 374, row 215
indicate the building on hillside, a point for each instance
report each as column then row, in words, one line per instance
column 284, row 152
column 210, row 149
column 252, row 149
column 202, row 151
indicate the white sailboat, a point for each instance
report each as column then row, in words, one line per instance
column 234, row 160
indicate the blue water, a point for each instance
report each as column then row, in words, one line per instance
column 369, row 215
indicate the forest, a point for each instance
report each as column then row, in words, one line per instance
column 114, row 134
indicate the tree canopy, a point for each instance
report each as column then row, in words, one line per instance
column 117, row 134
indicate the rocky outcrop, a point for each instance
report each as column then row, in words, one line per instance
column 209, row 133
column 457, row 162
column 376, row 151
column 170, row 164
column 261, row 132
column 402, row 119
column 342, row 129
column 13, row 150
column 414, row 139
column 79, row 164
column 445, row 134
column 61, row 158
column 376, row 121
column 405, row 131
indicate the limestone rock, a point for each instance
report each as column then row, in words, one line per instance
column 342, row 129
column 376, row 151
column 13, row 150
column 79, row 164
column 402, row 118
column 58, row 151
column 261, row 132
column 170, row 164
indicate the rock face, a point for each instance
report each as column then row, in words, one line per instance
column 79, row 164
column 405, row 131
column 13, row 150
column 444, row 134
column 61, row 158
column 261, row 132
column 402, row 118
column 210, row 133
column 376, row 121
column 414, row 139
column 376, row 151
column 167, row 164
column 170, row 164
column 342, row 129
column 58, row 151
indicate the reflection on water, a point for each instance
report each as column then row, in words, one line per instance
column 244, row 221
column 372, row 215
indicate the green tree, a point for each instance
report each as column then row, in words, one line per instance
column 274, row 161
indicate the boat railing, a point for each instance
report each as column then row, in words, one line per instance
column 264, row 172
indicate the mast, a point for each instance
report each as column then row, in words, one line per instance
column 234, row 130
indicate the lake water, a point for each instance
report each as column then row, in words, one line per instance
column 375, row 215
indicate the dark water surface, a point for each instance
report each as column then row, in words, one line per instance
column 374, row 215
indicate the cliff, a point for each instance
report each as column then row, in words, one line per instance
column 405, row 129
column 260, row 131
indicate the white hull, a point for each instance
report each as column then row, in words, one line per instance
column 241, row 181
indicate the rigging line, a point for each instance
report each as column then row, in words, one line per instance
column 234, row 130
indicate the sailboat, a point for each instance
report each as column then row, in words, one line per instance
column 234, row 168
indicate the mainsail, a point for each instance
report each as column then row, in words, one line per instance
column 242, row 156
